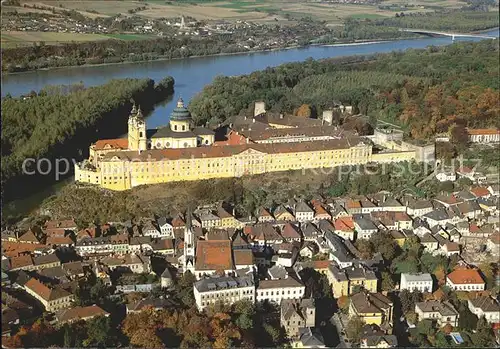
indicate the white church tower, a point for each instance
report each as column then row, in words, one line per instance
column 189, row 245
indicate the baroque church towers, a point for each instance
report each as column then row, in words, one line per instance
column 136, row 130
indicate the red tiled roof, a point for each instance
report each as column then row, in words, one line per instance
column 243, row 257
column 60, row 224
column 464, row 170
column 233, row 138
column 465, row 276
column 87, row 232
column 21, row 261
column 495, row 238
column 353, row 204
column 480, row 191
column 483, row 131
column 320, row 264
column 473, row 228
column 117, row 143
column 230, row 150
column 12, row 249
column 213, row 255
column 290, row 231
column 264, row 212
column 29, row 236
column 319, row 210
column 344, row 224
column 77, row 313
column 59, row 240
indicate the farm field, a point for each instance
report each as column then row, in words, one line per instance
column 247, row 10
column 13, row 39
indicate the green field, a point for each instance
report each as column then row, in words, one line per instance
column 366, row 16
column 15, row 39
column 127, row 37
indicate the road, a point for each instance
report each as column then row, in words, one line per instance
column 338, row 325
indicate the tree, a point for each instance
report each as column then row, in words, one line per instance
column 484, row 335
column 383, row 242
column 411, row 317
column 98, row 331
column 426, row 327
column 343, row 304
column 466, row 320
column 304, row 111
column 365, row 247
column 387, row 281
column 354, row 329
column 409, row 299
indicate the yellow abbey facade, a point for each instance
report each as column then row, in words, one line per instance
column 264, row 143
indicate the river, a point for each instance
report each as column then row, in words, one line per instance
column 191, row 75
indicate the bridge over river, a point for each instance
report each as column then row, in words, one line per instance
column 452, row 35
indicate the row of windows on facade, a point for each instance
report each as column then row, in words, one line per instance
column 271, row 293
column 171, row 172
column 208, row 302
column 226, row 294
column 144, row 166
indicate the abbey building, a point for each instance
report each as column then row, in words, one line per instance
column 263, row 143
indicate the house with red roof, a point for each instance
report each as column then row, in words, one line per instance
column 344, row 227
column 465, row 279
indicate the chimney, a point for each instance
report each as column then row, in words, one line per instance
column 253, row 119
column 281, row 116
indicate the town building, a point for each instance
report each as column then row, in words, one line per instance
column 295, row 314
column 421, row 282
column 441, row 311
column 485, row 306
column 181, row 152
column 80, row 313
column 484, row 136
column 52, row 299
column 372, row 308
column 288, row 287
column 226, row 289
column 309, row 338
column 345, row 281
column 463, row 279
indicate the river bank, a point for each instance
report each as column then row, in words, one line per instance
column 345, row 43
column 336, row 44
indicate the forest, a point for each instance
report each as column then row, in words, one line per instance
column 62, row 122
column 427, row 91
column 306, row 31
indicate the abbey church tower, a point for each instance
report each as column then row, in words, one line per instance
column 136, row 130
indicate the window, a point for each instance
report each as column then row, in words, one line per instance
column 183, row 128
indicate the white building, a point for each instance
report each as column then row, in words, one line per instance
column 487, row 307
column 227, row 289
column 303, row 212
column 166, row 229
column 276, row 290
column 88, row 246
column 465, row 280
column 446, row 176
column 443, row 312
column 416, row 282
column 484, row 136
